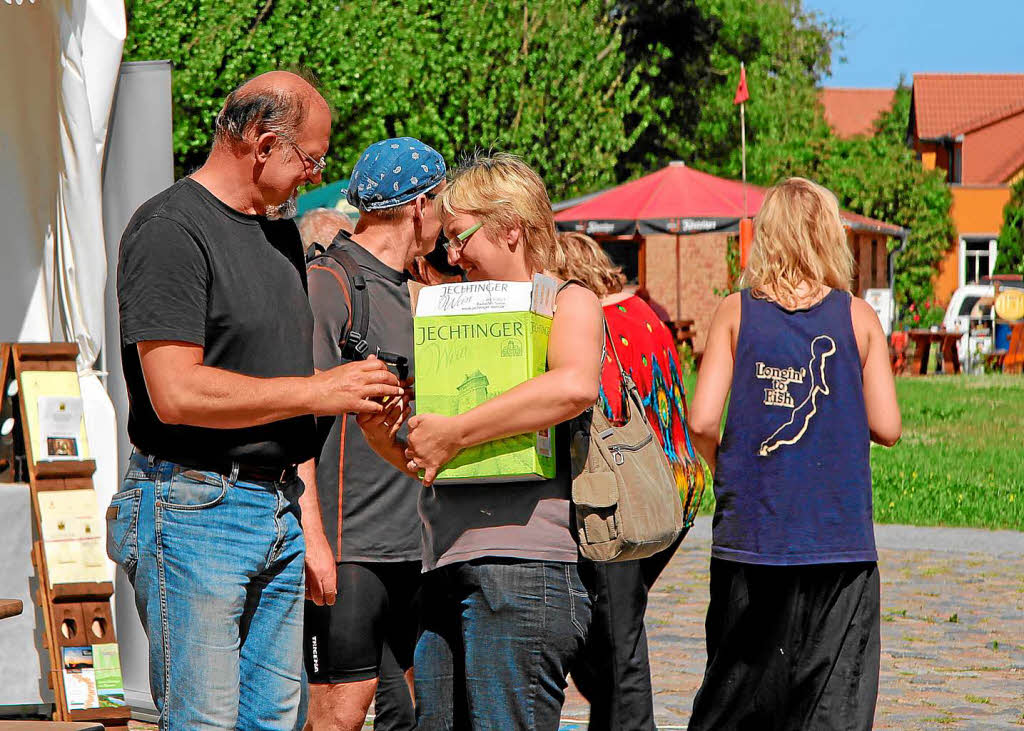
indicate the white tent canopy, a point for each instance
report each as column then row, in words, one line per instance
column 61, row 59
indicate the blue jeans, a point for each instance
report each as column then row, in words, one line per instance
column 217, row 568
column 498, row 638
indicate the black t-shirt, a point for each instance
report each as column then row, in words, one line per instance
column 193, row 269
column 379, row 521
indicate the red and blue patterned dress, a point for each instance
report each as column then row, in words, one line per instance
column 648, row 353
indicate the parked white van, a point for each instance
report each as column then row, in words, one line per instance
column 973, row 300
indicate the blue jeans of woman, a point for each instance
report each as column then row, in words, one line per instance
column 217, row 567
column 498, row 638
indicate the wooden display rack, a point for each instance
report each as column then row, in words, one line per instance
column 75, row 614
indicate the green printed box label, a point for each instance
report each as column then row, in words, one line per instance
column 473, row 341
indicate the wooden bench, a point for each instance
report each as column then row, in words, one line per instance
column 10, row 608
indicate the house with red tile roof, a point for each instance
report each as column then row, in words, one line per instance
column 971, row 126
column 853, row 112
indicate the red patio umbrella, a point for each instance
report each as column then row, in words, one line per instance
column 679, row 200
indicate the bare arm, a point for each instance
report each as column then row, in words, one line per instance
column 565, row 390
column 321, row 572
column 309, row 502
column 714, row 380
column 394, row 453
column 381, row 433
column 883, row 410
column 184, row 391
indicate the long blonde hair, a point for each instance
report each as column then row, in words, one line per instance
column 578, row 256
column 799, row 239
column 504, row 193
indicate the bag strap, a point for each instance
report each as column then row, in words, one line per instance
column 626, row 383
column 341, row 285
column 611, row 344
column 566, row 283
column 354, row 345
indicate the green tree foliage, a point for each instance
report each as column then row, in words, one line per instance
column 546, row 79
column 787, row 50
column 690, row 53
column 880, row 176
column 670, row 43
column 1011, row 239
column 591, row 92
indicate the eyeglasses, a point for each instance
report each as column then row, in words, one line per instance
column 318, row 165
column 460, row 241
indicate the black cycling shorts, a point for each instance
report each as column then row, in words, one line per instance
column 377, row 604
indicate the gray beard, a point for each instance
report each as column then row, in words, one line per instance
column 284, row 211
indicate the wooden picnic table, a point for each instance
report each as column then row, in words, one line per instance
column 948, row 342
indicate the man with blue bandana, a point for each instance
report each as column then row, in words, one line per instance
column 361, row 525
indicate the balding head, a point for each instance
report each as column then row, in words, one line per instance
column 277, row 101
column 321, row 225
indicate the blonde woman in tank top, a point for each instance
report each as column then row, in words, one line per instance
column 793, row 623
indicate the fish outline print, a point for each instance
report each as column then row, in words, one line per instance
column 822, row 347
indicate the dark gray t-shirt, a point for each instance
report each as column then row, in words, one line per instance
column 378, row 520
column 193, row 269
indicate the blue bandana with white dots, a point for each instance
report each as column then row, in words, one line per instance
column 393, row 172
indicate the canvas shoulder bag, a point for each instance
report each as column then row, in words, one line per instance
column 624, row 492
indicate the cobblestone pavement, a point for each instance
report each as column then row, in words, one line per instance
column 952, row 630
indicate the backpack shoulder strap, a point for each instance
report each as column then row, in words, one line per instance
column 354, row 344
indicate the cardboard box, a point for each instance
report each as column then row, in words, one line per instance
column 473, row 341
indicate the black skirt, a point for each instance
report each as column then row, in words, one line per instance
column 790, row 647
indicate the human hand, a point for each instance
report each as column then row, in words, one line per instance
column 408, row 392
column 381, row 428
column 358, row 387
column 433, row 441
column 321, row 571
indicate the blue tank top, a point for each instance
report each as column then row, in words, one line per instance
column 793, row 481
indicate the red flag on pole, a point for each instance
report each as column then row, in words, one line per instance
column 741, row 91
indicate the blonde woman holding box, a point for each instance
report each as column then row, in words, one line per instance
column 504, row 609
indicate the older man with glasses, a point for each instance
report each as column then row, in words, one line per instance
column 217, row 351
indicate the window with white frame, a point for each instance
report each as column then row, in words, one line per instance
column 977, row 258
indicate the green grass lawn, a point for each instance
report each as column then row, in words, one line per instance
column 961, row 459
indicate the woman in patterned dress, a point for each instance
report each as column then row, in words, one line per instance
column 613, row 671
